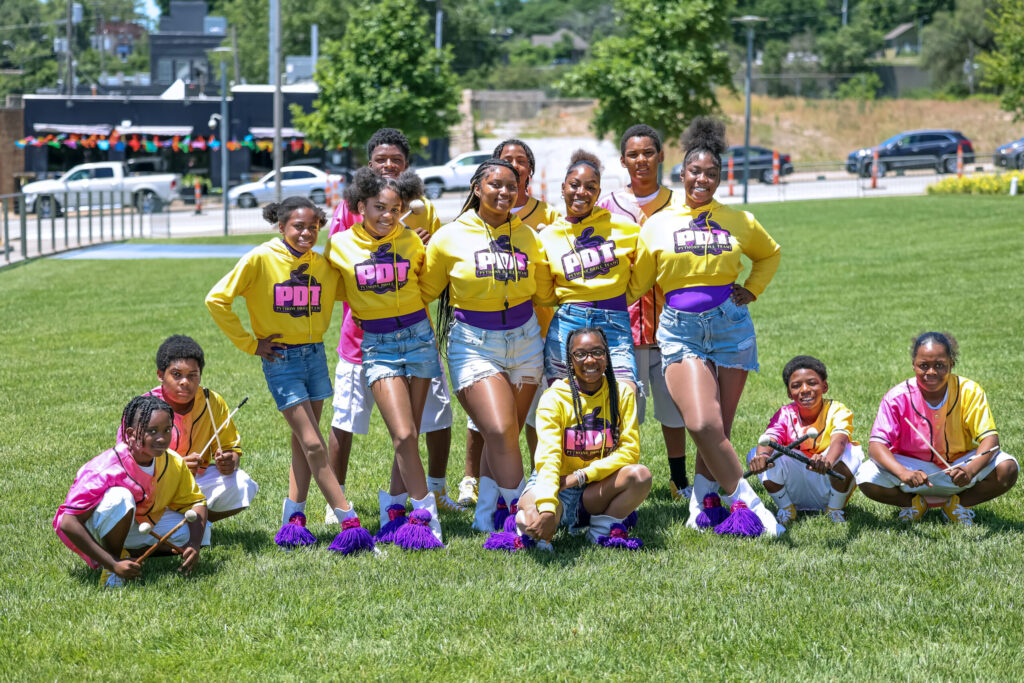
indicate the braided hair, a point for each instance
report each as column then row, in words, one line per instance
column 516, row 142
column 704, row 134
column 368, row 183
column 609, row 374
column 473, row 201
column 278, row 213
column 139, row 411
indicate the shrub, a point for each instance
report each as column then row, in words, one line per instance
column 981, row 183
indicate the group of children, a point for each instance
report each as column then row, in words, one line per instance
column 545, row 321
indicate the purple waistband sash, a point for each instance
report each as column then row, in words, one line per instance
column 616, row 303
column 507, row 319
column 389, row 325
column 698, row 299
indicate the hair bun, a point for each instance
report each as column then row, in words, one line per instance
column 705, row 134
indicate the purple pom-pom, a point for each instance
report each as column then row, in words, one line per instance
column 416, row 535
column 618, row 537
column 386, row 534
column 352, row 539
column 294, row 534
column 508, row 540
column 713, row 513
column 500, row 514
column 510, row 521
column 631, row 520
column 742, row 522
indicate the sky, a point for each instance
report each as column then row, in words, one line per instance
column 151, row 10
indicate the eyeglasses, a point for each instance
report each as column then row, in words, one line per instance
column 596, row 354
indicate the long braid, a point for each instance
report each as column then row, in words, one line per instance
column 609, row 373
column 577, row 403
column 140, row 409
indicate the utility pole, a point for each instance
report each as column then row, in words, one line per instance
column 275, row 76
column 748, row 21
column 68, row 76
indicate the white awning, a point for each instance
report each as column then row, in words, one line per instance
column 176, row 91
column 163, row 131
column 71, row 129
column 261, row 132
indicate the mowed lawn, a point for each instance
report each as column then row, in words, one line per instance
column 872, row 599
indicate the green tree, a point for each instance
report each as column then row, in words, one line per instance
column 385, row 73
column 662, row 71
column 27, row 31
column 1004, row 66
column 953, row 42
column 850, row 49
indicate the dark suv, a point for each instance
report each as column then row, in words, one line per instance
column 913, row 149
column 1010, row 155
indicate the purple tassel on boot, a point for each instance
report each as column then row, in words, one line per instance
column 510, row 521
column 713, row 513
column 416, row 535
column 631, row 520
column 500, row 514
column 396, row 515
column 508, row 540
column 352, row 539
column 294, row 534
column 742, row 522
column 618, row 537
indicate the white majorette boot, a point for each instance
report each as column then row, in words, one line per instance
column 753, row 502
column 386, row 500
column 486, row 504
column 610, row 532
column 289, row 507
column 702, row 486
column 329, row 516
column 429, row 503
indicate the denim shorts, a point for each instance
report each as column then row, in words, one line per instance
column 571, row 500
column 615, row 325
column 723, row 335
column 409, row 352
column 475, row 353
column 300, row 376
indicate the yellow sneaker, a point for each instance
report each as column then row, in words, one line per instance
column 109, row 579
column 786, row 515
column 444, row 502
column 468, row 491
column 916, row 510
column 682, row 494
column 957, row 513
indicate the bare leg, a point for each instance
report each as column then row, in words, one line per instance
column 474, row 452
column 531, row 443
column 889, row 496
column 212, row 516
column 113, row 542
column 492, row 403
column 400, row 401
column 439, row 445
column 998, row 482
column 619, row 494
column 339, row 448
column 304, row 419
column 298, row 474
column 730, row 387
column 845, row 485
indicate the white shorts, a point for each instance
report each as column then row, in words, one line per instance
column 808, row 490
column 652, row 377
column 942, row 485
column 118, row 502
column 226, row 492
column 353, row 402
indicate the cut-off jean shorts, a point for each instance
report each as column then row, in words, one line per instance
column 571, row 500
column 723, row 335
column 615, row 325
column 409, row 352
column 475, row 354
column 300, row 376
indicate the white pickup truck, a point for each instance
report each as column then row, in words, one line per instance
column 91, row 185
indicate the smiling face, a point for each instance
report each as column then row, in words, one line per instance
column 497, row 191
column 641, row 160
column 180, row 382
column 701, row 175
column 589, row 359
column 932, row 365
column 806, row 388
column 581, row 189
column 300, row 230
column 516, row 155
column 149, row 441
column 381, row 213
column 388, row 161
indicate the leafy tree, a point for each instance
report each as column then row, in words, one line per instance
column 385, row 73
column 663, row 70
column 954, row 40
column 849, row 49
column 1004, row 66
column 863, row 86
column 26, row 45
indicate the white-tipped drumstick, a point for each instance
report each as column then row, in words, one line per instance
column 222, row 424
column 190, row 516
column 928, row 441
column 147, row 528
column 417, row 207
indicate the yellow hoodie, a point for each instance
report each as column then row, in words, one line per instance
column 536, row 213
column 379, row 276
column 488, row 269
column 683, row 247
column 563, row 448
column 286, row 294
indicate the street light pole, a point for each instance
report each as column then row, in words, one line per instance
column 275, row 67
column 748, row 21
column 224, row 171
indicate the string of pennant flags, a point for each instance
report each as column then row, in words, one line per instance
column 147, row 143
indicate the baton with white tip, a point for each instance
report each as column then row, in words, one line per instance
column 811, row 433
column 222, row 424
column 766, row 440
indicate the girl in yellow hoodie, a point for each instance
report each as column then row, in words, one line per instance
column 493, row 269
column 380, row 261
column 290, row 292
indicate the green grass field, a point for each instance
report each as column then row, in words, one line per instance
column 871, row 599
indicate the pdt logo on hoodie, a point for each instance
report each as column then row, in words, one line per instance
column 299, row 295
column 502, row 261
column 703, row 237
column 592, row 256
column 383, row 272
column 586, row 443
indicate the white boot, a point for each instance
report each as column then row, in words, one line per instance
column 329, row 516
column 486, row 504
column 600, row 525
column 429, row 503
column 289, row 508
column 702, row 486
column 746, row 494
column 385, row 500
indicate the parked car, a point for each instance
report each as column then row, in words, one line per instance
column 93, row 183
column 913, row 149
column 1010, row 155
column 295, row 180
column 455, row 175
column 760, row 164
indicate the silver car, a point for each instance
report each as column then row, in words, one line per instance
column 306, row 181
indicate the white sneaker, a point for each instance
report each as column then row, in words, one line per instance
column 468, row 491
column 786, row 515
column 837, row 516
column 329, row 516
